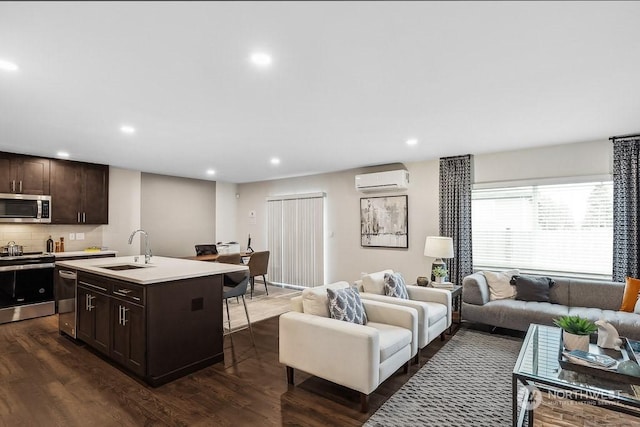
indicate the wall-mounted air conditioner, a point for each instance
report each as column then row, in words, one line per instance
column 382, row 181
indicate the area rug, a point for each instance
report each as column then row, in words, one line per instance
column 466, row 383
column 261, row 307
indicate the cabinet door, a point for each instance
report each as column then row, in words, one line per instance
column 6, row 179
column 84, row 327
column 128, row 345
column 32, row 174
column 95, row 194
column 65, row 192
column 93, row 319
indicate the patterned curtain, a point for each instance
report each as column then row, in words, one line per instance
column 455, row 213
column 626, row 207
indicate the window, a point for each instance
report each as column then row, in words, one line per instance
column 562, row 229
column 295, row 239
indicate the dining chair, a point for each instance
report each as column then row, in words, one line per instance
column 230, row 258
column 258, row 265
column 209, row 249
column 235, row 285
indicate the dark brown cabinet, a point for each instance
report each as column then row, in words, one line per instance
column 94, row 323
column 79, row 193
column 129, row 335
column 24, row 174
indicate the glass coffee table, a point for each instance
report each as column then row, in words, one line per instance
column 538, row 369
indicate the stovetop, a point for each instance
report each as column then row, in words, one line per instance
column 27, row 258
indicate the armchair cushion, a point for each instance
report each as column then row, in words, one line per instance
column 315, row 300
column 394, row 286
column 392, row 339
column 345, row 304
column 373, row 283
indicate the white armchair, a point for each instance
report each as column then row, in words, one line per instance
column 359, row 357
column 433, row 305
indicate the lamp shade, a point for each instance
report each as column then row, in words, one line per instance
column 438, row 247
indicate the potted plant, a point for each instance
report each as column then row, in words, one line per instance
column 440, row 272
column 575, row 331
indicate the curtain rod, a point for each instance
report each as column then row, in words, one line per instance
column 631, row 135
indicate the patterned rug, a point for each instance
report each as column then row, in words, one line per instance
column 467, row 383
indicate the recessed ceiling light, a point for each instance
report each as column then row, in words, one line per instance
column 275, row 161
column 8, row 66
column 127, row 129
column 62, row 154
column 412, row 141
column 261, row 59
column 211, row 172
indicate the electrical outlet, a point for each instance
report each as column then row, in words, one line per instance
column 79, row 236
column 72, row 236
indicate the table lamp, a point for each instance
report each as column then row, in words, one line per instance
column 438, row 247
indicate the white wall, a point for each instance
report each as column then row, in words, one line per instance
column 346, row 259
column 124, row 211
column 178, row 213
column 226, row 213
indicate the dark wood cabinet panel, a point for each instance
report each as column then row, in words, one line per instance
column 79, row 193
column 128, row 345
column 24, row 174
column 93, row 318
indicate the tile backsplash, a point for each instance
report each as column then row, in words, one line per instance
column 33, row 237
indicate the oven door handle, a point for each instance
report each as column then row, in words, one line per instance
column 65, row 274
column 27, row 266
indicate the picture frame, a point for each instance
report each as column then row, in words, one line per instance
column 384, row 222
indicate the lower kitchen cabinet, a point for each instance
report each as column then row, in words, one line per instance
column 129, row 335
column 94, row 321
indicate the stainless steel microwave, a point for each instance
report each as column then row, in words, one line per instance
column 24, row 208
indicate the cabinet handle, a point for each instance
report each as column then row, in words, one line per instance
column 84, row 217
column 124, row 316
column 88, row 299
column 13, row 186
column 21, row 186
column 78, row 216
column 124, row 291
column 119, row 315
column 91, row 298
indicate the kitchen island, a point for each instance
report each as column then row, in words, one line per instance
column 159, row 321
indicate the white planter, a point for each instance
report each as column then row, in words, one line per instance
column 575, row 342
column 439, row 279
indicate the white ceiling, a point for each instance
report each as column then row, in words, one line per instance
column 350, row 81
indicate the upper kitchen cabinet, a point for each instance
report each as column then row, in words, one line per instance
column 79, row 193
column 24, row 174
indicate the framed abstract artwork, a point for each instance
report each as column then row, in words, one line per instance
column 384, row 222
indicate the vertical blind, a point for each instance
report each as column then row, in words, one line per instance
column 295, row 239
column 561, row 228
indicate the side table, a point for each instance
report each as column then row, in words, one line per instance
column 456, row 304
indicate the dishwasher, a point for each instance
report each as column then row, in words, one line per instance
column 66, row 298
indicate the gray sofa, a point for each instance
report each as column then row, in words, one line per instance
column 586, row 298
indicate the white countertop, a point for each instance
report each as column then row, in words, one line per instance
column 74, row 254
column 161, row 269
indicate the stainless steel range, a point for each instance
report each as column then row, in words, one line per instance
column 26, row 286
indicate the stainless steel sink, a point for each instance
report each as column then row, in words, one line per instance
column 120, row 267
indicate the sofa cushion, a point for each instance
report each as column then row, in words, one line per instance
column 392, row 339
column 532, row 288
column 637, row 308
column 373, row 283
column 315, row 300
column 630, row 296
column 500, row 286
column 595, row 293
column 345, row 304
column 627, row 324
column 394, row 286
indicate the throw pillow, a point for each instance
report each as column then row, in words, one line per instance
column 500, row 284
column 315, row 301
column 637, row 309
column 394, row 286
column 531, row 288
column 630, row 297
column 345, row 304
column 373, row 283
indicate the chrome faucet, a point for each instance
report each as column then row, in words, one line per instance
column 147, row 248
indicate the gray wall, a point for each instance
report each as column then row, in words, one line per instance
column 344, row 257
column 177, row 213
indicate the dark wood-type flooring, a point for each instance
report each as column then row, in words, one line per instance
column 48, row 380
